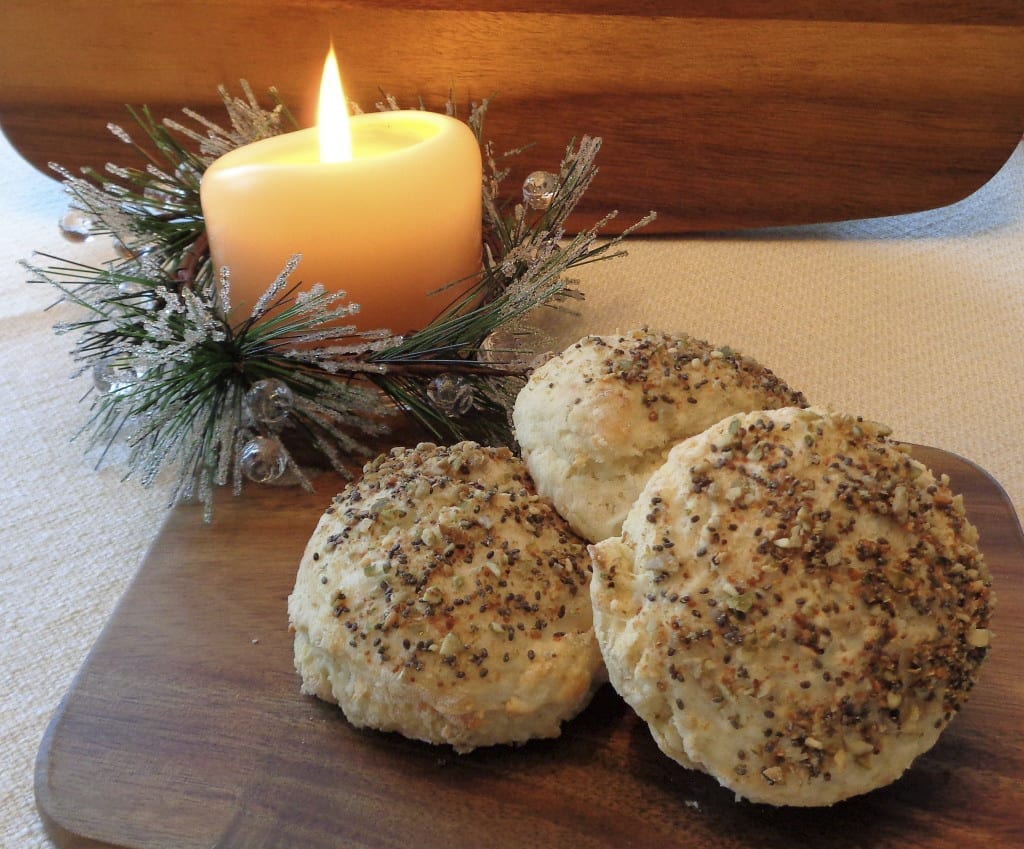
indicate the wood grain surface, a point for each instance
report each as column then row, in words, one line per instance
column 715, row 114
column 186, row 728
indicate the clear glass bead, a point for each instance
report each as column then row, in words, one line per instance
column 270, row 401
column 108, row 377
column 262, row 460
column 76, row 225
column 539, row 189
column 131, row 288
column 451, row 394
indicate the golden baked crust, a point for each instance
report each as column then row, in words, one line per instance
column 795, row 606
column 441, row 597
column 596, row 420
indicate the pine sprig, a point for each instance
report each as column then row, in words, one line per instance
column 185, row 384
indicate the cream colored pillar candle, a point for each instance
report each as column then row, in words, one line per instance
column 396, row 221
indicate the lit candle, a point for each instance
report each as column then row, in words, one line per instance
column 385, row 206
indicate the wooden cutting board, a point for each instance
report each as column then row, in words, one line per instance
column 186, row 728
column 715, row 113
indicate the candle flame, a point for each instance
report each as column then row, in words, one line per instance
column 332, row 115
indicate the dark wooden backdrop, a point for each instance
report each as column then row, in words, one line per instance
column 716, row 113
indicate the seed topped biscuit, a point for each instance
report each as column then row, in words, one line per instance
column 596, row 420
column 441, row 597
column 795, row 606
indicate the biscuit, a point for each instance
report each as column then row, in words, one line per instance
column 442, row 598
column 795, row 606
column 596, row 420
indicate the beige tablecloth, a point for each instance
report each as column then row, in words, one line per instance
column 915, row 320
